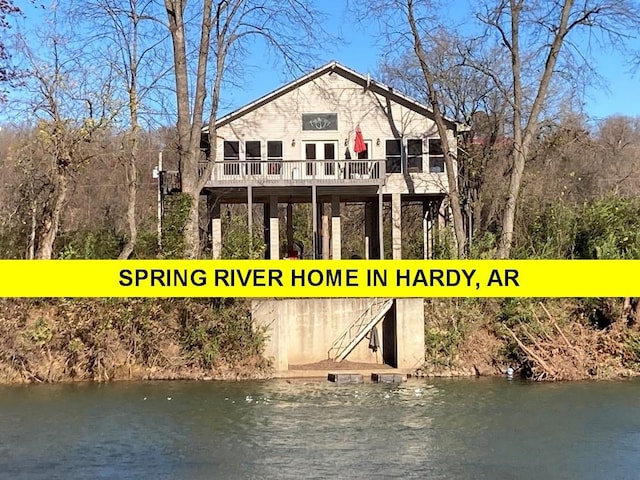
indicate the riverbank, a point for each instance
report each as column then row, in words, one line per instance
column 62, row 340
column 65, row 340
column 542, row 339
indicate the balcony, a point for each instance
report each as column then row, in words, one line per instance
column 298, row 173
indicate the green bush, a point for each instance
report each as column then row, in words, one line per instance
column 86, row 244
column 609, row 228
column 442, row 344
column 606, row 228
column 514, row 311
column 483, row 245
column 546, row 231
column 238, row 242
column 146, row 244
column 445, row 245
column 13, row 241
column 218, row 330
column 176, row 212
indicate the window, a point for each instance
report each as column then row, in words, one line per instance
column 319, row 121
column 436, row 156
column 393, row 149
column 231, row 158
column 253, row 156
column 414, row 155
column 274, row 157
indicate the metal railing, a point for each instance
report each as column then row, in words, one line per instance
column 299, row 172
column 354, row 333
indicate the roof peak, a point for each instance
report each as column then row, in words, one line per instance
column 365, row 80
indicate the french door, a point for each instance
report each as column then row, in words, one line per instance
column 321, row 159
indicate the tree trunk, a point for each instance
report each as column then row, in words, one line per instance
column 192, row 228
column 509, row 214
column 131, row 166
column 51, row 218
column 523, row 137
column 31, row 249
column 132, row 198
column 190, row 124
column 449, row 156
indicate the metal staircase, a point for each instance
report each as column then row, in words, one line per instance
column 369, row 318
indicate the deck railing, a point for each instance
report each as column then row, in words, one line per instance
column 299, row 172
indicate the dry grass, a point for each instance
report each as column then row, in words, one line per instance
column 53, row 340
column 551, row 339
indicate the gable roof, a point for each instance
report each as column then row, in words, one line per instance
column 352, row 75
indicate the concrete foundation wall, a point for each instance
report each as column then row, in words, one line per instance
column 410, row 332
column 302, row 331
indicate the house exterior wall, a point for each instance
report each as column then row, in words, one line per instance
column 378, row 118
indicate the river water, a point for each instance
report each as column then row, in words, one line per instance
column 435, row 429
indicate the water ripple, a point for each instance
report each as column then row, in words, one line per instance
column 419, row 429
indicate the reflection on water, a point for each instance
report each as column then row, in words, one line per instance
column 486, row 428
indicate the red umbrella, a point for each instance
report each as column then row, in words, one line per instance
column 359, row 145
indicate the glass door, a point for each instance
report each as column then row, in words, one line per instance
column 321, row 159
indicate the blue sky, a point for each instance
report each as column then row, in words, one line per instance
column 619, row 93
column 358, row 52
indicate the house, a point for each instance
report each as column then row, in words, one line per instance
column 330, row 137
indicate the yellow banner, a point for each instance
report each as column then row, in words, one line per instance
column 319, row 278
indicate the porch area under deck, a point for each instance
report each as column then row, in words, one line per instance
column 327, row 201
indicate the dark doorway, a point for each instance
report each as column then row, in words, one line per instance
column 390, row 338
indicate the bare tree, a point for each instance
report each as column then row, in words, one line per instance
column 469, row 97
column 541, row 39
column 411, row 24
column 68, row 113
column 525, row 46
column 619, row 140
column 7, row 73
column 564, row 165
column 225, row 27
column 126, row 33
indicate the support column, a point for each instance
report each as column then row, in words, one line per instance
column 410, row 332
column 274, row 229
column 265, row 229
column 336, row 229
column 380, row 225
column 216, row 228
column 250, row 211
column 314, row 215
column 289, row 227
column 426, row 229
column 371, row 229
column 326, row 237
column 396, row 225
